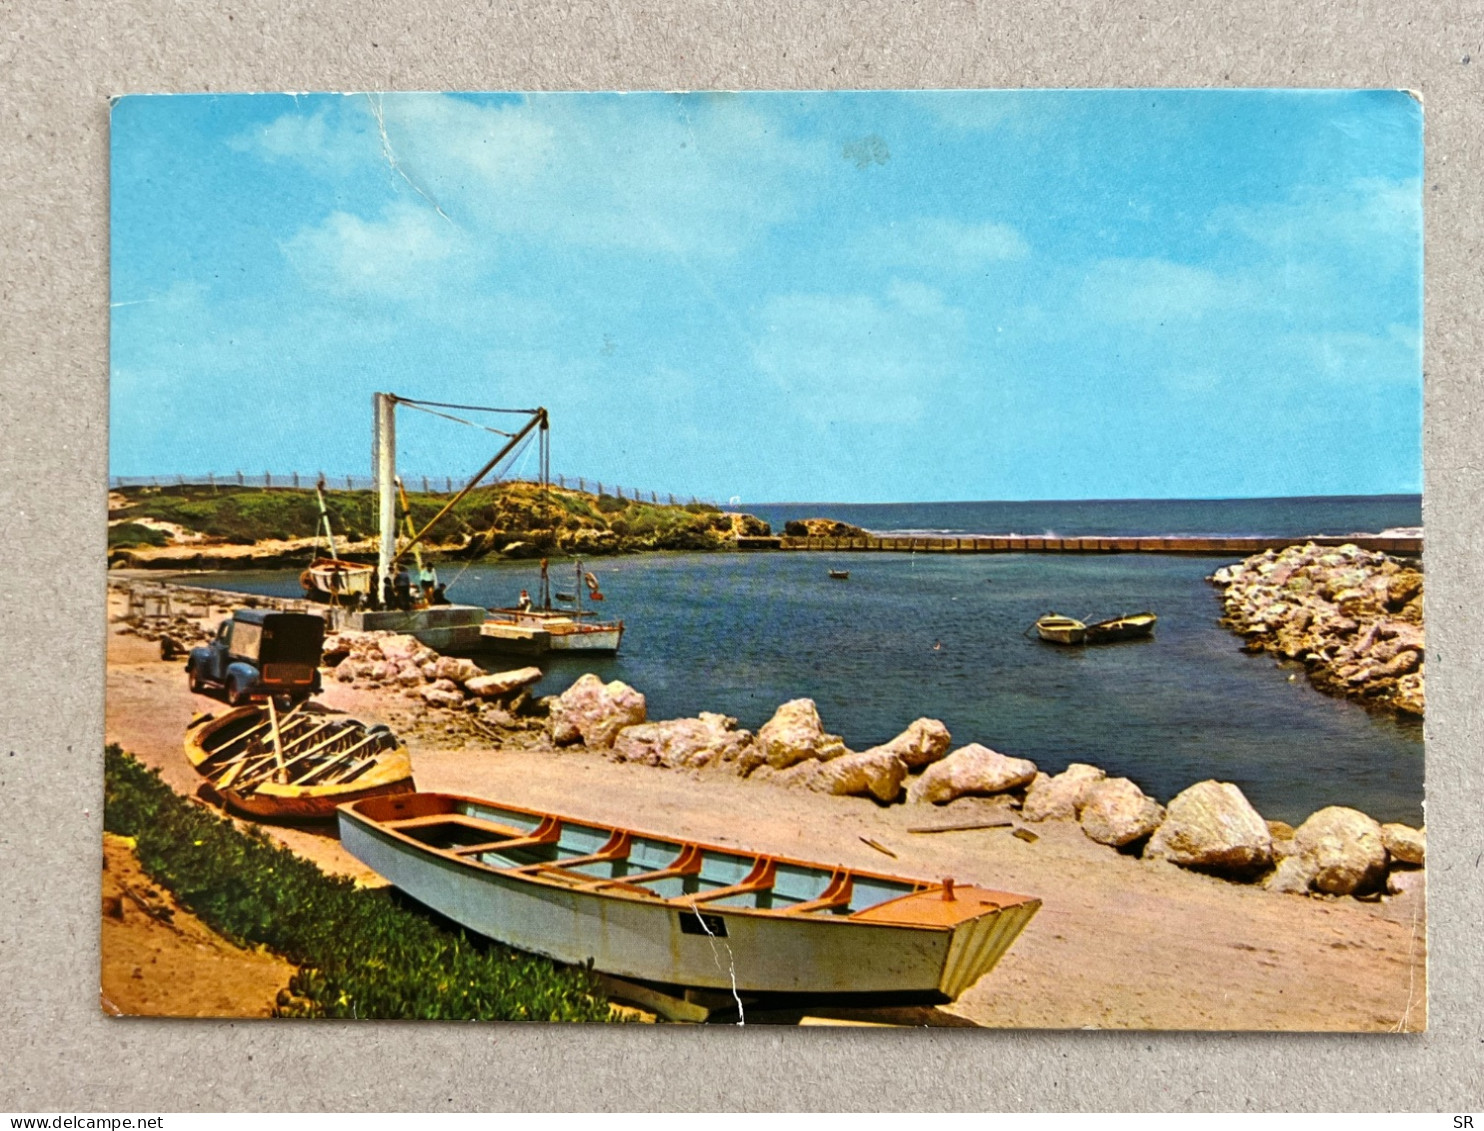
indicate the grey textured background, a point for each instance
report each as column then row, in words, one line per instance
column 61, row 62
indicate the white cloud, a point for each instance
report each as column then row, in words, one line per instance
column 943, row 246
column 1156, row 291
column 686, row 176
column 406, row 248
column 860, row 358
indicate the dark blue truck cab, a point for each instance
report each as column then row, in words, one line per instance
column 260, row 653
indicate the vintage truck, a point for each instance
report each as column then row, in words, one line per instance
column 259, row 653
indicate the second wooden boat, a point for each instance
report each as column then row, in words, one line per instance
column 678, row 912
column 1129, row 627
column 298, row 765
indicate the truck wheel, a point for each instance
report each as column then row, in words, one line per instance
column 236, row 693
column 193, row 679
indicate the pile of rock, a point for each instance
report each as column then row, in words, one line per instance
column 391, row 661
column 177, row 633
column 822, row 528
column 1353, row 617
column 1210, row 827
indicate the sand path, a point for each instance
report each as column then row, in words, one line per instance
column 1119, row 942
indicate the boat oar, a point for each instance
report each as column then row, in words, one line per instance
column 282, row 773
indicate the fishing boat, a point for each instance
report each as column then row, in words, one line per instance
column 333, row 579
column 297, row 766
column 677, row 912
column 535, row 630
column 1057, row 629
column 1128, row 627
column 840, row 574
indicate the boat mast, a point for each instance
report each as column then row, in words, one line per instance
column 324, row 517
column 384, row 466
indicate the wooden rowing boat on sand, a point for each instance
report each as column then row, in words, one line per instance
column 297, row 766
column 677, row 912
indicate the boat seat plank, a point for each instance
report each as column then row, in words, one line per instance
column 402, row 823
column 759, row 879
column 837, row 894
column 617, row 848
column 549, row 831
column 688, row 863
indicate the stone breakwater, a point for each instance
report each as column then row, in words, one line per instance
column 1210, row 827
column 1352, row 617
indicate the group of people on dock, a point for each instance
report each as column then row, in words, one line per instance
column 398, row 592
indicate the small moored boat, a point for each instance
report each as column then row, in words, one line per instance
column 1057, row 629
column 840, row 574
column 297, row 766
column 1129, row 627
column 677, row 912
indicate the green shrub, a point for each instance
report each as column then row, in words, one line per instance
column 133, row 534
column 361, row 952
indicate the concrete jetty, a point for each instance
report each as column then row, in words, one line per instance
column 446, row 628
column 1405, row 545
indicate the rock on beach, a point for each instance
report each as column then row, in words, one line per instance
column 682, row 743
column 593, row 713
column 795, row 733
column 1060, row 798
column 1213, row 826
column 1116, row 812
column 1345, row 848
column 878, row 772
column 968, row 770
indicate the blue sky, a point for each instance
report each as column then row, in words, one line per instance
column 866, row 297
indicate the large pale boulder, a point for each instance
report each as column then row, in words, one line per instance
column 1404, row 843
column 1293, row 875
column 921, row 744
column 499, row 684
column 878, row 771
column 460, row 669
column 795, row 733
column 438, row 697
column 682, row 742
column 1059, row 798
column 970, row 769
column 1213, row 825
column 593, row 712
column 399, row 646
column 1347, row 850
column 1116, row 812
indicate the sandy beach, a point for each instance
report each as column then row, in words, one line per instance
column 1119, row 943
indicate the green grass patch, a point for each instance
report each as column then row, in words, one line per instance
column 361, row 953
column 133, row 534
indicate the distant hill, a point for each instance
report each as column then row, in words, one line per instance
column 195, row 525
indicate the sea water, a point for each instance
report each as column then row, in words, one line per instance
column 948, row 636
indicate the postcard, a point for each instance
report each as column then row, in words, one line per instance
column 898, row 557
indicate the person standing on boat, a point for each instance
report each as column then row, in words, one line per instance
column 427, row 581
column 403, row 588
column 524, row 604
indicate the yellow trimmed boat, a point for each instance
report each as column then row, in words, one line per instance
column 1129, row 627
column 677, row 912
column 297, row 766
column 1057, row 629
